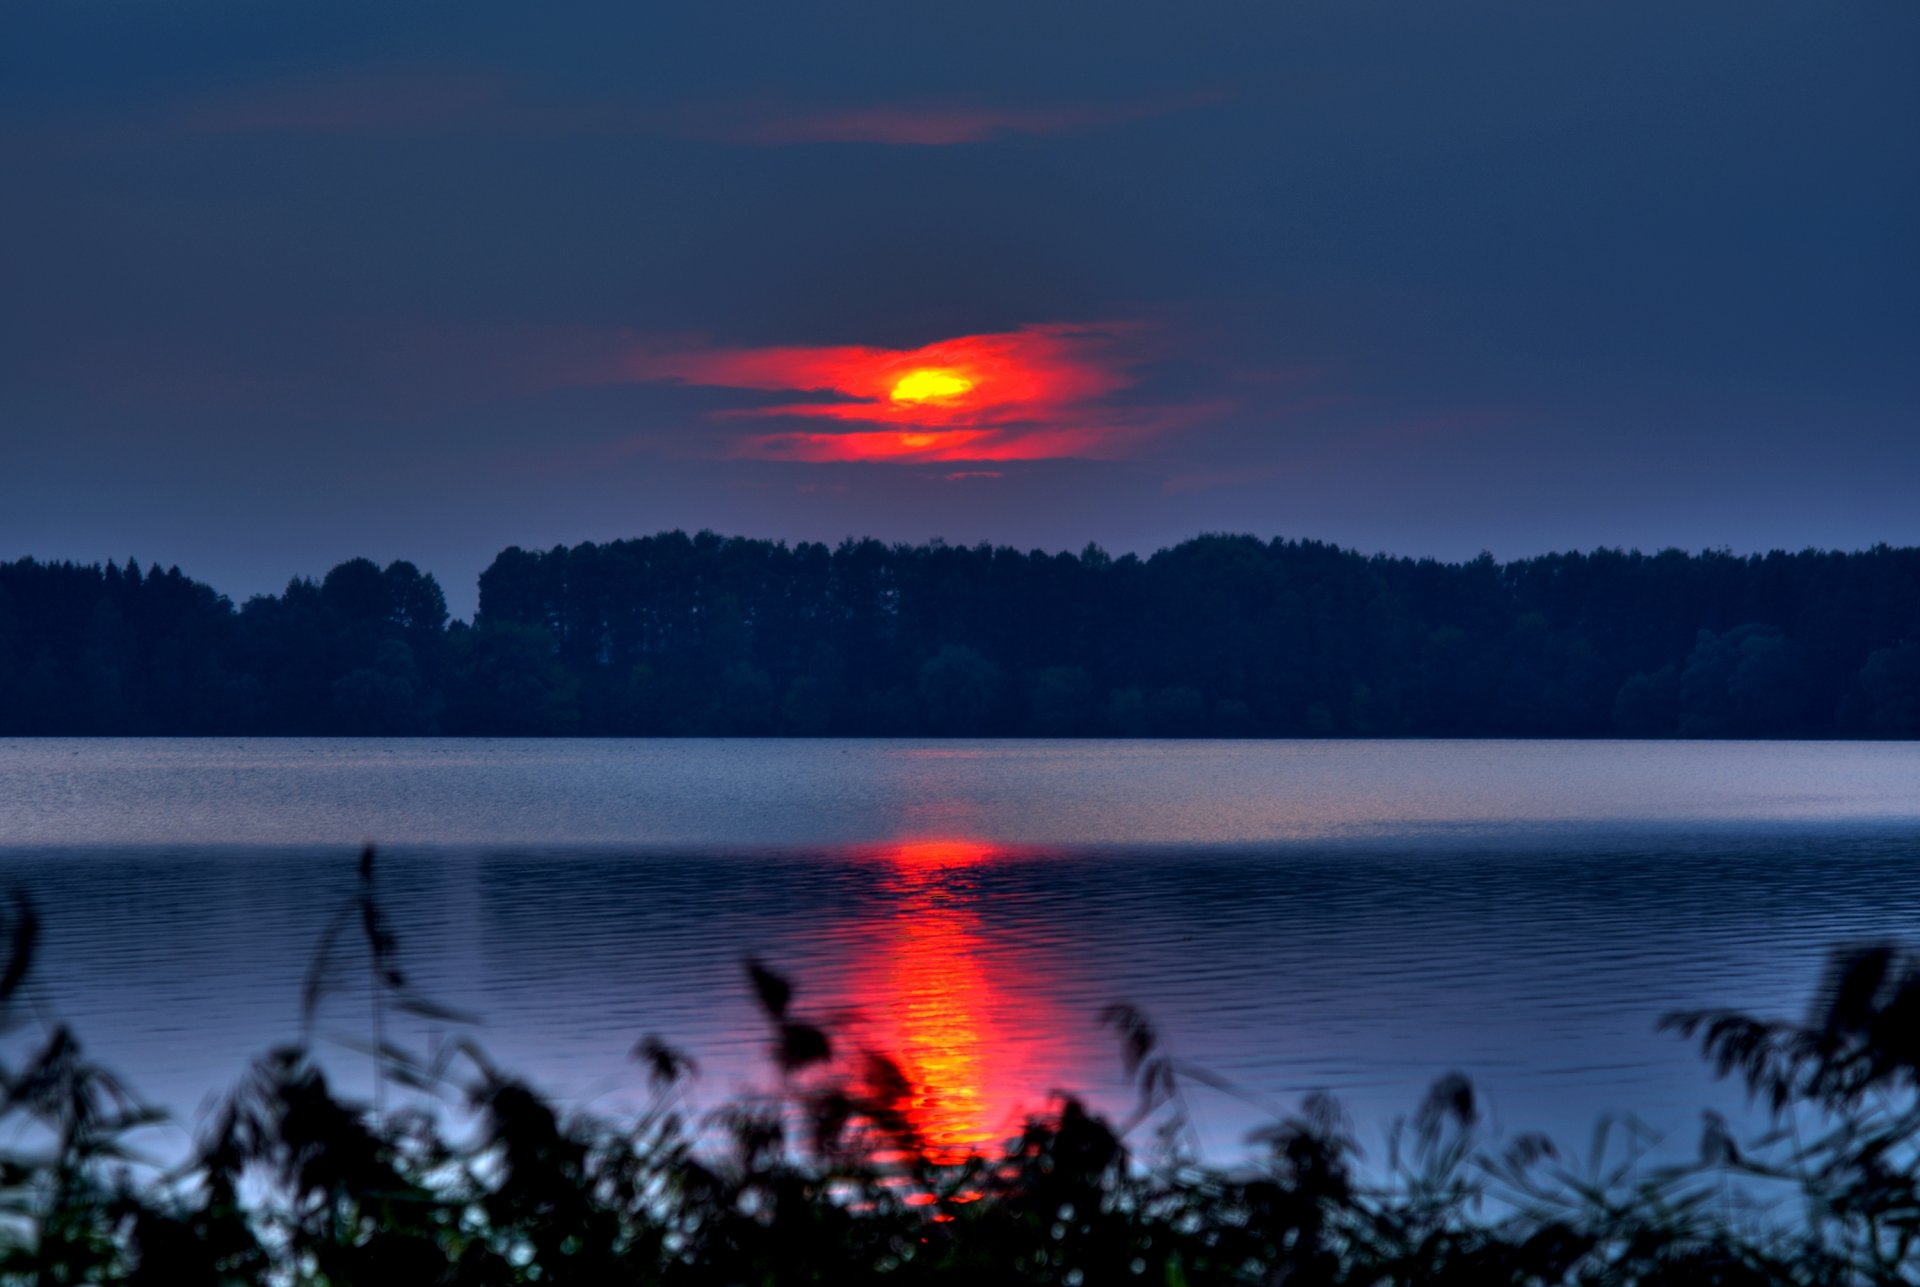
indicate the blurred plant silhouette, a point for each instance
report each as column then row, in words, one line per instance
column 820, row 1177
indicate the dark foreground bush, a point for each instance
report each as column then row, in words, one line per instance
column 821, row 1178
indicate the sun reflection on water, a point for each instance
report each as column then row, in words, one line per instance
column 936, row 996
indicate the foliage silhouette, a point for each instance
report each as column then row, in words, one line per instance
column 1217, row 636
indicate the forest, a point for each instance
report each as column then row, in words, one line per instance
column 1219, row 636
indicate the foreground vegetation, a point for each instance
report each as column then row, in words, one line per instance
column 821, row 1178
column 1218, row 636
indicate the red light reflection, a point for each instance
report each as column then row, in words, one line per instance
column 938, row 1000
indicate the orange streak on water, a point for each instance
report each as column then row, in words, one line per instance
column 936, row 996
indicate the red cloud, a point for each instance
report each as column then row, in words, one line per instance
column 1037, row 393
column 431, row 101
column 922, row 125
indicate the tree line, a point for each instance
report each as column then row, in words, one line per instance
column 678, row 634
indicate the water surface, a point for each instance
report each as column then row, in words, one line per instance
column 1358, row 916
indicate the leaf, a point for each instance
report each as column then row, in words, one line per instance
column 665, row 1064
column 1529, row 1148
column 1449, row 1097
column 889, row 1100
column 828, row 1118
column 25, row 932
column 385, row 1051
column 414, row 1003
column 463, row 1047
column 886, row 1081
column 373, row 929
column 407, row 1076
column 317, row 984
column 1138, row 1040
column 802, row 1044
column 1847, row 997
column 1717, row 1146
column 773, row 991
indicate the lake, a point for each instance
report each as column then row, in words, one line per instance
column 1353, row 916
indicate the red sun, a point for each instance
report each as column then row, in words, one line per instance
column 1039, row 392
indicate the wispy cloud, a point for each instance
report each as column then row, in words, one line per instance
column 437, row 102
column 767, row 124
column 1040, row 392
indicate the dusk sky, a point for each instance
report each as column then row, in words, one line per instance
column 285, row 284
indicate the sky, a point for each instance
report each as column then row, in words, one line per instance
column 282, row 285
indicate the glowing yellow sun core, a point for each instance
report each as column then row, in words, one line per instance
column 930, row 386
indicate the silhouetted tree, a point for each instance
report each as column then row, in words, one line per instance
column 1884, row 700
column 705, row 634
column 505, row 679
column 1061, row 702
column 959, row 691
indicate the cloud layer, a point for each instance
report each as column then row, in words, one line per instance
column 433, row 102
column 1039, row 392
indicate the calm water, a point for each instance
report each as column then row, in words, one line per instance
column 1357, row 916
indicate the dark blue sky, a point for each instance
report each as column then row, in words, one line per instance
column 283, row 284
